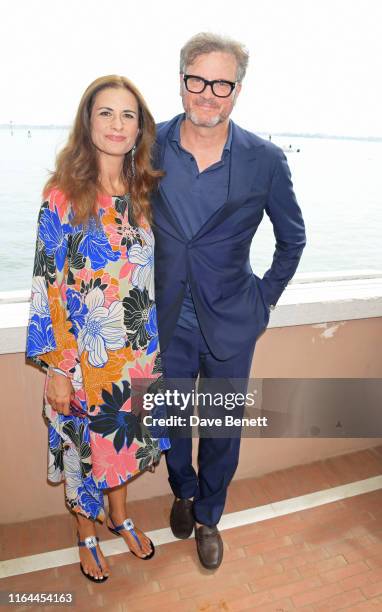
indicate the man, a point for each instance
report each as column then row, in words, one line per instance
column 211, row 307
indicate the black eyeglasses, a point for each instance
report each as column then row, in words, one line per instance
column 219, row 87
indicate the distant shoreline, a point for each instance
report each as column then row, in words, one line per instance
column 29, row 126
column 6, row 126
column 323, row 136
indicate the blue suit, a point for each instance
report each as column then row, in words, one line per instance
column 230, row 301
column 232, row 304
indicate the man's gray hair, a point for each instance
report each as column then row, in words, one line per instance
column 207, row 42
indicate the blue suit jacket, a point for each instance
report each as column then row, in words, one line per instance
column 232, row 303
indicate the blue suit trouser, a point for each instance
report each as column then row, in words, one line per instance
column 187, row 356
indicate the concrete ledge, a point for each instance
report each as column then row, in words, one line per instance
column 313, row 298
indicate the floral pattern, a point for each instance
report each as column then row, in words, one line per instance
column 102, row 328
column 137, row 307
column 93, row 316
column 143, row 257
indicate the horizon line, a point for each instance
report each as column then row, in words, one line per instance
column 10, row 126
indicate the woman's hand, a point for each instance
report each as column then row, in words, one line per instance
column 59, row 392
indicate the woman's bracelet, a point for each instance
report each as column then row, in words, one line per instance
column 57, row 370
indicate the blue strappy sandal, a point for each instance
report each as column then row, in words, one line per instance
column 91, row 542
column 128, row 525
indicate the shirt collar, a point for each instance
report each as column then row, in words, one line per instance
column 175, row 136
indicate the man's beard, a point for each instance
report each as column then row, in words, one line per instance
column 192, row 115
column 211, row 122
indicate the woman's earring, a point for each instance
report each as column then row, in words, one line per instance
column 133, row 161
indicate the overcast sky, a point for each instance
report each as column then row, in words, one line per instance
column 315, row 65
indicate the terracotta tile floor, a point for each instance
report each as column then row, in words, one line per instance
column 321, row 559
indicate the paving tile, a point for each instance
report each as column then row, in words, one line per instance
column 283, row 605
column 249, row 534
column 323, row 566
column 351, row 569
column 359, row 580
column 206, row 583
column 293, row 588
column 287, row 524
column 253, row 573
column 272, row 543
column 274, row 579
column 324, row 558
column 145, row 602
column 370, row 605
column 306, row 559
column 314, row 596
column 315, row 515
column 280, row 554
column 246, row 569
column 249, row 602
column 374, row 562
column 354, row 548
column 371, row 590
column 223, row 599
column 187, row 579
column 343, row 600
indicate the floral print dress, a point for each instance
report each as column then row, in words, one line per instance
column 93, row 317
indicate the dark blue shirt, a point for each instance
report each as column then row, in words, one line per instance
column 194, row 196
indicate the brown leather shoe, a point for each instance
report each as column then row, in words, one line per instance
column 182, row 519
column 209, row 546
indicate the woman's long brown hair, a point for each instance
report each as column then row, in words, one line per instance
column 77, row 170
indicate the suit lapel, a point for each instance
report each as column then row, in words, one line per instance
column 242, row 180
column 164, row 215
column 164, row 208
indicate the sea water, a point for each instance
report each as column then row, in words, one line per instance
column 338, row 185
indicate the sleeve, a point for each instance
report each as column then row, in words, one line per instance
column 288, row 228
column 50, row 337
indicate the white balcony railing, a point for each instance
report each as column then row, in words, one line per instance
column 310, row 298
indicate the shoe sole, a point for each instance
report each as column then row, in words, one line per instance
column 210, row 567
column 147, row 557
column 89, row 577
column 182, row 536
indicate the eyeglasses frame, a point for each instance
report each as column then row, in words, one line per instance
column 232, row 84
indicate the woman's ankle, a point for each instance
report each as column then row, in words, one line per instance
column 118, row 513
column 118, row 516
column 85, row 526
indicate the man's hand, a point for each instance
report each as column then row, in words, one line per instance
column 59, row 392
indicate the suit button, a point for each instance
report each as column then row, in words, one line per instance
column 272, row 307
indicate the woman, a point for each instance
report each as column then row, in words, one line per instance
column 93, row 317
